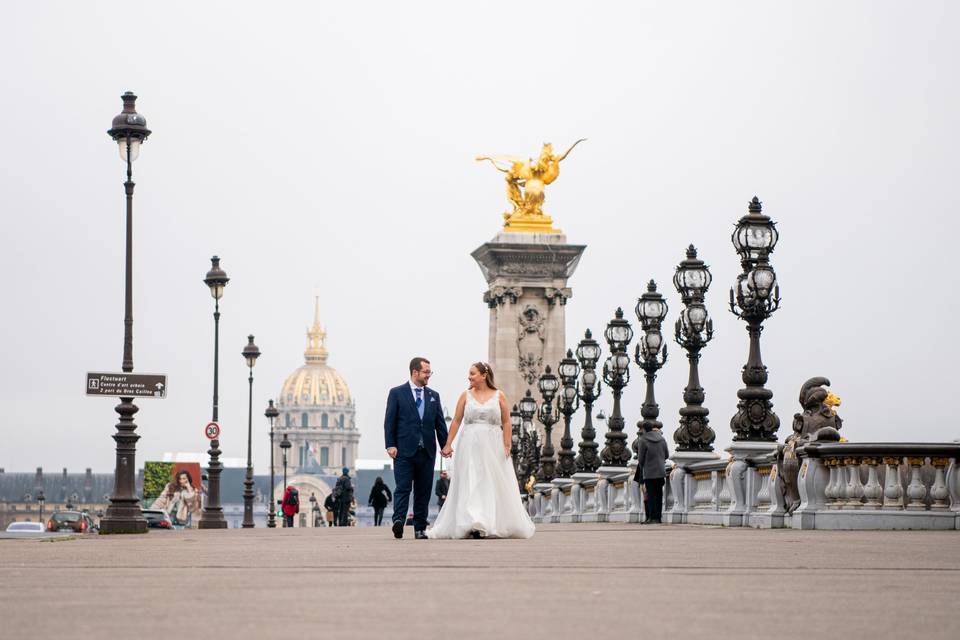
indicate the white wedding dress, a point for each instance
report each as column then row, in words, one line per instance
column 483, row 494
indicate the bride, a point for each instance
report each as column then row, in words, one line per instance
column 483, row 500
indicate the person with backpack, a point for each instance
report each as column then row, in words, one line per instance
column 652, row 454
column 342, row 497
column 290, row 505
column 380, row 496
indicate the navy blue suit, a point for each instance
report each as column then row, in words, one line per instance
column 416, row 443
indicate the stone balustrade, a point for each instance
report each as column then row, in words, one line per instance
column 842, row 486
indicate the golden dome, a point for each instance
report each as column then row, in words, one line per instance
column 315, row 383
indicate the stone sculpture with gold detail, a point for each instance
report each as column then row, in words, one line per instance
column 526, row 267
column 818, row 422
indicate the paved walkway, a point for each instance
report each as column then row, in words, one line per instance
column 569, row 581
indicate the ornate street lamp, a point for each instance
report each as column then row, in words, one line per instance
column 755, row 234
column 271, row 414
column 528, row 447
column 129, row 130
column 548, row 384
column 588, row 353
column 41, row 500
column 250, row 354
column 212, row 516
column 756, row 297
column 616, row 373
column 515, row 423
column 314, row 510
column 568, row 402
column 284, row 447
column 651, row 354
column 692, row 331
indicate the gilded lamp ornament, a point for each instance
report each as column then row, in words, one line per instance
column 526, row 181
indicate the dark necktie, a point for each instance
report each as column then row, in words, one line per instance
column 419, row 393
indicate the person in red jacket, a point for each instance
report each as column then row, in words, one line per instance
column 290, row 505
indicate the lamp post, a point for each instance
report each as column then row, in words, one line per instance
column 756, row 297
column 588, row 353
column 271, row 413
column 528, row 446
column 515, row 424
column 41, row 500
column 284, row 447
column 568, row 402
column 548, row 384
column 129, row 130
column 651, row 354
column 692, row 331
column 250, row 354
column 212, row 516
column 616, row 373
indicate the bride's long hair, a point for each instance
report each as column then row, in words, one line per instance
column 487, row 372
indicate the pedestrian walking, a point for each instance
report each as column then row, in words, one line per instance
column 652, row 457
column 380, row 497
column 342, row 497
column 290, row 505
column 443, row 485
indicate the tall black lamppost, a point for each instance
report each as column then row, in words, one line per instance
column 588, row 353
column 314, row 511
column 756, row 297
column 284, row 447
column 250, row 354
column 692, row 331
column 41, row 500
column 651, row 354
column 548, row 385
column 568, row 402
column 515, row 423
column 212, row 516
column 271, row 413
column 616, row 373
column 129, row 130
column 528, row 444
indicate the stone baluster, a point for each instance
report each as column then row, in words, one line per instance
column 939, row 492
column 892, row 489
column 834, row 488
column 872, row 491
column 854, row 489
column 916, row 490
column 762, row 500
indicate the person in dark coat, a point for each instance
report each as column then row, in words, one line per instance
column 652, row 457
column 342, row 497
column 329, row 506
column 290, row 505
column 443, row 485
column 380, row 496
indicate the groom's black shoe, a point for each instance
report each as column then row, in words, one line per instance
column 398, row 529
column 420, row 535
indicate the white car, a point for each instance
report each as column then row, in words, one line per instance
column 25, row 527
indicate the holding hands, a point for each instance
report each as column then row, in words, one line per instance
column 447, row 451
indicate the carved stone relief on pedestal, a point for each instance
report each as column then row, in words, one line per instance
column 530, row 343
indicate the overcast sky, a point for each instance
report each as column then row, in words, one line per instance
column 329, row 147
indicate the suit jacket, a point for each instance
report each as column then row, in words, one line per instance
column 403, row 428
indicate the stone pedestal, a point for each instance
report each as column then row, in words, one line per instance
column 527, row 276
column 738, row 480
column 681, row 485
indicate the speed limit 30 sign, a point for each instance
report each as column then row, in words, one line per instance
column 212, row 430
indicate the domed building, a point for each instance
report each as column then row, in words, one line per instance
column 317, row 413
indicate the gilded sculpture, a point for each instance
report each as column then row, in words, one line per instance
column 526, row 180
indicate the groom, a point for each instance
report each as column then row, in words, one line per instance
column 413, row 417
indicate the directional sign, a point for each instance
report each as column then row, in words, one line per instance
column 212, row 430
column 127, row 385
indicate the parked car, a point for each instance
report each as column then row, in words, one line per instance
column 25, row 527
column 157, row 519
column 69, row 521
